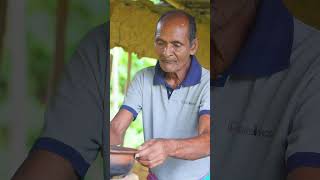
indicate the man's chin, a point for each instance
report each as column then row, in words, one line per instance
column 168, row 68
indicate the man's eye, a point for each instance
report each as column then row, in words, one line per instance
column 177, row 45
column 160, row 43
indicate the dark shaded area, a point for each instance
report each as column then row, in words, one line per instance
column 119, row 170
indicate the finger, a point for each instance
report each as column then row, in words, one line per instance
column 151, row 163
column 155, row 155
column 144, row 162
column 151, row 157
column 146, row 144
column 156, row 163
column 156, row 151
column 146, row 152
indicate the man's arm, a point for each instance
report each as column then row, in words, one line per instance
column 42, row 164
column 303, row 148
column 197, row 147
column 304, row 173
column 155, row 151
column 119, row 125
column 71, row 137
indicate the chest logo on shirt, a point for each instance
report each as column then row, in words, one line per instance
column 188, row 102
column 238, row 128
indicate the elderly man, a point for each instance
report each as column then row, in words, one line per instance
column 266, row 91
column 174, row 97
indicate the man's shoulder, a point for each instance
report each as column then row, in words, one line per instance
column 306, row 38
column 91, row 52
column 147, row 72
column 91, row 56
column 305, row 48
column 205, row 75
column 96, row 38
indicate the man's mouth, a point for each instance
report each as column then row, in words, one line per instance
column 168, row 61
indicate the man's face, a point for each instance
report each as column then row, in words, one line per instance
column 172, row 44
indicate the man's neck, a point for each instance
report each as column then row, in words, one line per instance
column 229, row 40
column 174, row 79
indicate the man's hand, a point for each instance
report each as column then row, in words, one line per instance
column 154, row 152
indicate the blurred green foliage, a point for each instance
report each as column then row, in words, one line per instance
column 156, row 1
column 83, row 15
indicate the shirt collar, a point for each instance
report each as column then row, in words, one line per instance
column 192, row 78
column 268, row 47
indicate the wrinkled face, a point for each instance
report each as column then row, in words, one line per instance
column 172, row 44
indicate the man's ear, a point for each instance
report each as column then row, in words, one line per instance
column 194, row 46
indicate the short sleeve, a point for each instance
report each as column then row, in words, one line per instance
column 205, row 98
column 133, row 99
column 303, row 148
column 74, row 116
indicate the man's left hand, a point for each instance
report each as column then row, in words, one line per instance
column 154, row 152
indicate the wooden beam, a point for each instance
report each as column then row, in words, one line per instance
column 176, row 4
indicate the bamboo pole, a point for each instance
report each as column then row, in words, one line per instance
column 128, row 71
column 59, row 55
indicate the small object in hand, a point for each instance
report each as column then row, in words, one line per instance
column 121, row 160
column 122, row 150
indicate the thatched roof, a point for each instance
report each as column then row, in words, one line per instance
column 133, row 24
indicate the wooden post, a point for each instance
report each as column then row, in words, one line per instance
column 3, row 16
column 128, row 71
column 59, row 59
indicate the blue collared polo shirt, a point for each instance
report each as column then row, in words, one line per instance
column 174, row 117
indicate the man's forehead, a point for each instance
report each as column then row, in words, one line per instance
column 173, row 23
column 179, row 20
column 174, row 30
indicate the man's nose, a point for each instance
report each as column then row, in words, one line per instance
column 168, row 50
